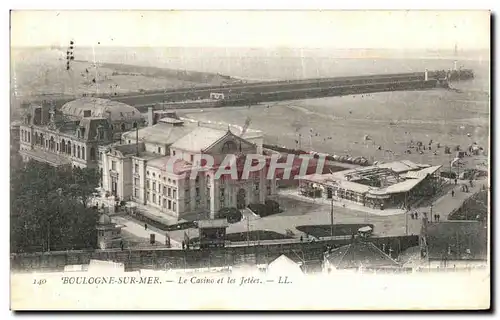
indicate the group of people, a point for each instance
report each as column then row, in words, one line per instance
column 414, row 216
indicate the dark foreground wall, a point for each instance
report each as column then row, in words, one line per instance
column 161, row 259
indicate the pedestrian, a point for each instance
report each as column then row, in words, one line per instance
column 439, row 217
column 416, row 214
column 183, row 245
column 411, row 215
column 452, row 193
column 301, row 238
column 435, row 217
column 121, row 244
column 145, row 226
column 471, row 184
column 455, row 181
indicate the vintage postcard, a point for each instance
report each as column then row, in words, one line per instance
column 250, row 160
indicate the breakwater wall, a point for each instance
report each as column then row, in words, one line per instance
column 161, row 259
column 248, row 93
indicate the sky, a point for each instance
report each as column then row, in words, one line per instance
column 432, row 30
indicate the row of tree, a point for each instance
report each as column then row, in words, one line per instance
column 49, row 207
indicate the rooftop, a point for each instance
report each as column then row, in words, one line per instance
column 162, row 133
column 199, row 139
column 113, row 110
column 400, row 183
column 217, row 223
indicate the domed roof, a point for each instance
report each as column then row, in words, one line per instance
column 104, row 219
column 113, row 110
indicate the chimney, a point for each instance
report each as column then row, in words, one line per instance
column 37, row 116
column 150, row 116
column 45, row 115
column 426, row 75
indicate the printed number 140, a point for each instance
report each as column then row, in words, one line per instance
column 40, row 281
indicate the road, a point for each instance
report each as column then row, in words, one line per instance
column 138, row 230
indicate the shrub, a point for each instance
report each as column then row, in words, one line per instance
column 258, row 208
column 273, row 206
column 232, row 215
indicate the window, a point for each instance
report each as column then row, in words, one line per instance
column 83, row 153
column 136, row 168
column 169, row 181
column 192, row 158
column 174, row 182
column 174, row 206
column 147, row 173
column 222, row 192
column 169, row 206
column 136, row 193
column 154, row 175
column 154, row 186
column 113, row 165
column 164, row 190
column 154, row 198
column 159, row 149
column 148, row 184
column 174, row 193
column 169, row 194
column 197, row 192
column 136, row 182
column 256, row 186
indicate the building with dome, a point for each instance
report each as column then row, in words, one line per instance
column 73, row 134
column 121, row 116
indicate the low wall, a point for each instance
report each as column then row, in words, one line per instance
column 163, row 258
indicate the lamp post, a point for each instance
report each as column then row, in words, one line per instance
column 431, row 212
column 331, row 216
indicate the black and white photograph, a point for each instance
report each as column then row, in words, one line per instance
column 250, row 160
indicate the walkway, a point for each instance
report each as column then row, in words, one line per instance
column 447, row 204
column 138, row 230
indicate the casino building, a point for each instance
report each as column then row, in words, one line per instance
column 137, row 171
column 73, row 134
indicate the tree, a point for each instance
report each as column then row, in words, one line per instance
column 49, row 208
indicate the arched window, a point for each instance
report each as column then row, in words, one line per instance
column 22, row 135
column 78, row 152
column 74, row 150
column 29, row 137
column 68, row 148
column 63, row 146
column 83, row 153
column 37, row 139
